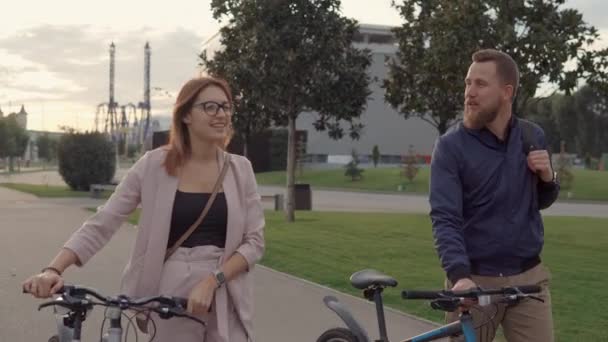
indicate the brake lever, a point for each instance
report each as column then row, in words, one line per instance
column 446, row 304
column 53, row 303
column 536, row 298
column 185, row 315
column 166, row 312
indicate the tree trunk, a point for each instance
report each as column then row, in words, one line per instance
column 442, row 127
column 291, row 169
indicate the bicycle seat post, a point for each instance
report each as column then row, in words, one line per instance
column 380, row 314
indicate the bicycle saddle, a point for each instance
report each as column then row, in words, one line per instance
column 366, row 278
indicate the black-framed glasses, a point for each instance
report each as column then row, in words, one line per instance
column 212, row 108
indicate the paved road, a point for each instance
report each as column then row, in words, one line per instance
column 287, row 308
column 325, row 200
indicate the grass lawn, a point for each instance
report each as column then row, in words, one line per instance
column 380, row 179
column 47, row 190
column 327, row 247
column 588, row 185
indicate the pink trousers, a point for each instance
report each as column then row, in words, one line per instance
column 184, row 269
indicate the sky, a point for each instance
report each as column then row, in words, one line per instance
column 54, row 55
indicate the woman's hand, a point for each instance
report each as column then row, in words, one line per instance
column 201, row 296
column 43, row 285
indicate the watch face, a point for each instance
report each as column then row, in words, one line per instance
column 220, row 277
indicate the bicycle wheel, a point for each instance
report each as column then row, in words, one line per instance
column 337, row 335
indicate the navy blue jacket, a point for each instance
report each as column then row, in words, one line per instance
column 485, row 203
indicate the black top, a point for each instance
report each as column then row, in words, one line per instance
column 186, row 210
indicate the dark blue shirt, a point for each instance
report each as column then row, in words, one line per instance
column 485, row 201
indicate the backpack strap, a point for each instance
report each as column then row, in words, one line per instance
column 529, row 144
column 527, row 136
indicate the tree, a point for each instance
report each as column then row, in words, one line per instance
column 299, row 57
column 375, row 155
column 410, row 165
column 580, row 120
column 352, row 168
column 565, row 176
column 85, row 159
column 47, row 147
column 438, row 37
column 13, row 140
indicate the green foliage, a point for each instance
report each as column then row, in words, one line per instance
column 438, row 37
column 352, row 168
column 85, row 159
column 376, row 155
column 287, row 57
column 564, row 172
column 410, row 165
column 47, row 147
column 13, row 139
column 580, row 120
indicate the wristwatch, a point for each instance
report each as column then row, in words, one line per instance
column 219, row 277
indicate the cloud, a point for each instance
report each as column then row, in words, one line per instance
column 594, row 11
column 71, row 64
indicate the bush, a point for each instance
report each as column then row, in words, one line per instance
column 85, row 159
column 410, row 167
column 352, row 168
column 376, row 155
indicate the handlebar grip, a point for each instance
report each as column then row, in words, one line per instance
column 407, row 294
column 529, row 288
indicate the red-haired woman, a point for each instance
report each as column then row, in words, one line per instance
column 201, row 229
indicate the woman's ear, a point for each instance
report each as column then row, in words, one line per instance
column 187, row 119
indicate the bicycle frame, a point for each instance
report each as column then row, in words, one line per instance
column 463, row 325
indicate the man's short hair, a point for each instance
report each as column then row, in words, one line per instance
column 506, row 68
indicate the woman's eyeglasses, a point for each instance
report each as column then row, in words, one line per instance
column 212, row 108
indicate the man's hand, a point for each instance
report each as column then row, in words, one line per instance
column 463, row 285
column 539, row 163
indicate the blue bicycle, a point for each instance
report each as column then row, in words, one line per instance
column 373, row 284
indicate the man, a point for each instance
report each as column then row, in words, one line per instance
column 486, row 193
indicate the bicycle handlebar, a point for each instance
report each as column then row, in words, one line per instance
column 472, row 293
column 74, row 298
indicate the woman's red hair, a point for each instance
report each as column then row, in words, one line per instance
column 179, row 147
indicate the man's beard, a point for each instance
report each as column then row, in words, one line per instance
column 482, row 117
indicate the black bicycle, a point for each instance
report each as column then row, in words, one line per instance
column 373, row 284
column 73, row 303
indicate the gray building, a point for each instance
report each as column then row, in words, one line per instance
column 383, row 126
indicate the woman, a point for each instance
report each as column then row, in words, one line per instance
column 173, row 184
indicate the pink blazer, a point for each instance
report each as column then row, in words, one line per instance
column 148, row 183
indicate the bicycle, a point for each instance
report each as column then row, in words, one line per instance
column 74, row 303
column 373, row 283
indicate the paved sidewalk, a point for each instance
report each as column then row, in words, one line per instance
column 326, row 200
